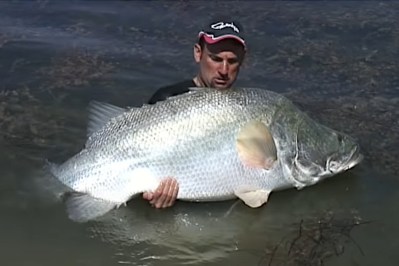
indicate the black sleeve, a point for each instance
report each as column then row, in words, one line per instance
column 172, row 90
column 160, row 95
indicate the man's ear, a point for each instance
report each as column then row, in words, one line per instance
column 197, row 52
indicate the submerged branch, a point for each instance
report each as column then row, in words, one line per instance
column 315, row 241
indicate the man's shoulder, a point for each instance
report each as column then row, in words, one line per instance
column 182, row 85
column 171, row 90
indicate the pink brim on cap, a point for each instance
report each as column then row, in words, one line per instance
column 210, row 39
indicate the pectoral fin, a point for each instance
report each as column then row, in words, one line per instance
column 255, row 146
column 254, row 198
column 83, row 207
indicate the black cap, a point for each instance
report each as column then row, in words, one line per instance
column 221, row 30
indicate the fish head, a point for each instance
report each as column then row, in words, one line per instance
column 321, row 153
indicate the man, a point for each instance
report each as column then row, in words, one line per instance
column 219, row 52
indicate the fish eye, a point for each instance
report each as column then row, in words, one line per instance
column 333, row 165
column 340, row 137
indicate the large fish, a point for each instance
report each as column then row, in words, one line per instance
column 219, row 145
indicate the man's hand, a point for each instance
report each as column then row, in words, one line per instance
column 165, row 195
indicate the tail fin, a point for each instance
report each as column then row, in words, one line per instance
column 51, row 168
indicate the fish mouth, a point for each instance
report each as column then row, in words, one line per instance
column 355, row 158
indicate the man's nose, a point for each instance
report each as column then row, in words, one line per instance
column 224, row 68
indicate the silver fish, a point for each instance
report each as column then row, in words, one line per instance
column 219, row 145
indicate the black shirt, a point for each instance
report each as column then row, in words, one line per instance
column 171, row 90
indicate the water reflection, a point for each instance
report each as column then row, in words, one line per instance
column 180, row 235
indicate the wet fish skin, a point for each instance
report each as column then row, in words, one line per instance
column 193, row 137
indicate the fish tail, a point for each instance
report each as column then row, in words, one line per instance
column 51, row 168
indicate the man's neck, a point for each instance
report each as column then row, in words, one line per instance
column 198, row 82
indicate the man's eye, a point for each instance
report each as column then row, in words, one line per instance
column 232, row 61
column 216, row 58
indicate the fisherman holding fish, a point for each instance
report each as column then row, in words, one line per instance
column 211, row 144
column 219, row 53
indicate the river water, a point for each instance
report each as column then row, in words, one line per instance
column 336, row 60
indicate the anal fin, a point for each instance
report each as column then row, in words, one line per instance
column 83, row 207
column 254, row 198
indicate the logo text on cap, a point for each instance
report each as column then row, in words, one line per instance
column 222, row 25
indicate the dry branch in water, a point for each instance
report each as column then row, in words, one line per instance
column 316, row 240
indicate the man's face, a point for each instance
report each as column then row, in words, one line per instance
column 219, row 63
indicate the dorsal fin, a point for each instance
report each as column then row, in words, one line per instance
column 100, row 113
